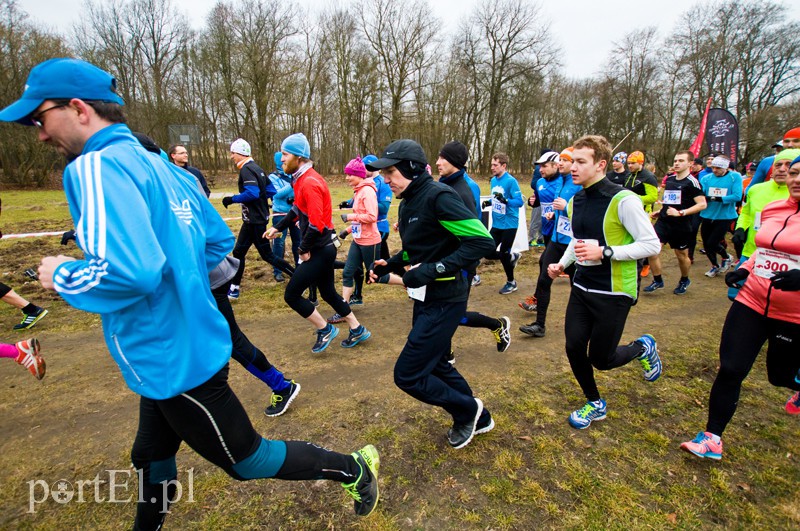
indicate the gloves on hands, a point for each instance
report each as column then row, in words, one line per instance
column 227, row 201
column 486, row 203
column 739, row 237
column 712, row 198
column 735, row 279
column 67, row 236
column 786, row 280
column 344, row 217
column 345, row 204
column 419, row 276
column 343, row 234
column 500, row 197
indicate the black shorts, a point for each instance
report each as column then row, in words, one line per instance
column 675, row 237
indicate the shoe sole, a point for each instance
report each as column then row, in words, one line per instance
column 590, row 423
column 487, row 429
column 331, row 320
column 288, row 402
column 363, row 337
column 474, row 425
column 38, row 361
column 715, row 457
column 323, row 347
column 28, row 327
column 507, row 327
column 652, row 290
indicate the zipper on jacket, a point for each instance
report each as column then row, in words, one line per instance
column 127, row 363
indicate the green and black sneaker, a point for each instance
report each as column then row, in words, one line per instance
column 364, row 490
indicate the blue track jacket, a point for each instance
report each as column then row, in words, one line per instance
column 149, row 239
column 506, row 215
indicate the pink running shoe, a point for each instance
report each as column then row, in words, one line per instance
column 793, row 404
column 704, row 446
column 29, row 357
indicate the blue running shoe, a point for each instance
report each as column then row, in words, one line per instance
column 680, row 289
column 233, row 293
column 324, row 338
column 356, row 336
column 509, row 287
column 656, row 284
column 650, row 360
column 583, row 417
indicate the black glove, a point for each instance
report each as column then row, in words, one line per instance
column 787, row 280
column 343, row 234
column 419, row 276
column 486, row 203
column 500, row 197
column 734, row 279
column 739, row 237
column 345, row 204
column 344, row 217
column 380, row 270
column 227, row 201
column 67, row 236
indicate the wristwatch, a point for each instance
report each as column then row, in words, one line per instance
column 440, row 267
column 608, row 252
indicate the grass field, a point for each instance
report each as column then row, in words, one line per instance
column 532, row 471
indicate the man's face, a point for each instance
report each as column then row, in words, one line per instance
column 633, row 167
column 564, row 165
column 584, row 168
column 444, row 167
column 548, row 169
column 395, row 180
column 696, row 167
column 59, row 128
column 719, row 172
column 180, row 156
column 497, row 168
column 780, row 170
column 235, row 157
column 793, row 181
column 790, row 143
column 291, row 163
column 618, row 166
column 681, row 163
column 709, row 160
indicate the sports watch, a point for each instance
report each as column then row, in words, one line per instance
column 440, row 267
column 608, row 252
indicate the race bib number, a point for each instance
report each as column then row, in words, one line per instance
column 547, row 208
column 356, row 228
column 770, row 261
column 757, row 221
column 418, row 294
column 717, row 192
column 587, row 263
column 564, row 226
column 671, row 197
column 498, row 207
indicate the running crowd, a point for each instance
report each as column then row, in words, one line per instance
column 158, row 258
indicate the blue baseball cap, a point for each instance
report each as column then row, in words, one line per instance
column 369, row 159
column 61, row 78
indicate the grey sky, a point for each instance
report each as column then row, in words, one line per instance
column 584, row 29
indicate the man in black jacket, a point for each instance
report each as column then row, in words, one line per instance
column 442, row 239
column 180, row 157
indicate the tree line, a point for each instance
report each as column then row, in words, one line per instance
column 354, row 77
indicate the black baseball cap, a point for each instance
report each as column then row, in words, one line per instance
column 398, row 151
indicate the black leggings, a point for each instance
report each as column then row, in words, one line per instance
column 4, row 290
column 693, row 236
column 505, row 239
column 596, row 321
column 317, row 270
column 213, row 423
column 252, row 234
column 712, row 231
column 356, row 256
column 551, row 255
column 245, row 352
column 744, row 333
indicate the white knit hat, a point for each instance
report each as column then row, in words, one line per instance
column 241, row 147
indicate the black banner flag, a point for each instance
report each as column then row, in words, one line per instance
column 722, row 133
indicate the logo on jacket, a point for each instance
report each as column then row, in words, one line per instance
column 412, row 220
column 183, row 211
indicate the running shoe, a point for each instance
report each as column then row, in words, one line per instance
column 725, row 265
column 324, row 337
column 281, row 399
column 279, row 277
column 28, row 356
column 30, row 319
column 650, row 360
column 509, row 287
column 656, row 284
column 364, row 490
column 529, row 304
column 534, row 329
column 356, row 336
column 460, row 435
column 714, row 271
column 485, row 423
column 540, row 243
column 476, row 280
column 503, row 334
column 701, row 251
column 680, row 289
column 515, row 258
column 591, row 411
column 233, row 293
column 354, row 301
column 645, row 270
column 704, row 446
column 793, row 404
column 335, row 318
column 451, row 358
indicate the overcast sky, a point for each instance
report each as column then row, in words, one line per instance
column 585, row 30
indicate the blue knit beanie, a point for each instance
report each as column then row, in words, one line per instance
column 277, row 158
column 297, row 144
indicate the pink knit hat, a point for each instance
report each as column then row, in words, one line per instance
column 356, row 168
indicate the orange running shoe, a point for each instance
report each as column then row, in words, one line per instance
column 29, row 357
column 793, row 404
column 529, row 304
column 645, row 270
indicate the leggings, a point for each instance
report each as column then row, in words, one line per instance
column 551, row 255
column 593, row 325
column 505, row 239
column 356, row 256
column 213, row 423
column 744, row 333
column 318, row 270
column 252, row 234
column 4, row 290
column 693, row 236
column 713, row 233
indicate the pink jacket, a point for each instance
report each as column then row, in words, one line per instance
column 364, row 218
column 778, row 248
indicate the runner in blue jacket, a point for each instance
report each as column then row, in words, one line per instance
column 506, row 202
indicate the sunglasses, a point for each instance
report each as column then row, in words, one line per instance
column 37, row 119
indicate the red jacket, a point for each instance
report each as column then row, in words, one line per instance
column 313, row 199
column 778, row 249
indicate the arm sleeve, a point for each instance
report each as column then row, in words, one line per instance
column 568, row 258
column 398, row 262
column 219, row 238
column 515, row 199
column 284, row 193
column 650, row 194
column 202, row 179
column 637, row 223
column 735, row 194
column 367, row 203
column 745, row 220
column 250, row 194
column 316, row 217
column 458, row 220
column 287, row 220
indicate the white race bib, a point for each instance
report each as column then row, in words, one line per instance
column 770, row 261
column 589, row 262
column 671, row 197
column 417, row 293
column 564, row 226
column 717, row 192
column 757, row 221
column 356, row 228
column 546, row 208
column 498, row 207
